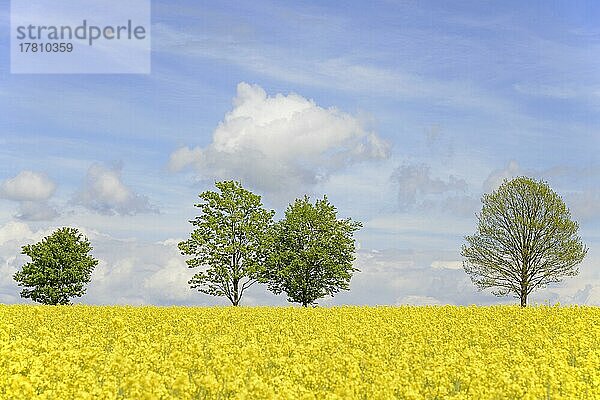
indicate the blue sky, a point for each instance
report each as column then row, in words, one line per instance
column 410, row 112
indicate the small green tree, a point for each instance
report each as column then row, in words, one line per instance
column 525, row 240
column 312, row 253
column 231, row 241
column 60, row 268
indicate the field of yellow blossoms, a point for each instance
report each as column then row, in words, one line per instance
column 503, row 352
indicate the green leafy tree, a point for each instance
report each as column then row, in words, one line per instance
column 525, row 240
column 230, row 240
column 60, row 268
column 312, row 253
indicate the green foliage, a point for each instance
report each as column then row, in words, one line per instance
column 525, row 240
column 230, row 240
column 312, row 252
column 60, row 267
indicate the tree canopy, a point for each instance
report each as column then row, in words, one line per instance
column 525, row 240
column 230, row 241
column 313, row 252
column 60, row 268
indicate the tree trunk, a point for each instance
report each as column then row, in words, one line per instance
column 523, row 299
column 524, row 285
column 236, row 296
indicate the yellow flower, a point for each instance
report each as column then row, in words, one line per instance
column 501, row 352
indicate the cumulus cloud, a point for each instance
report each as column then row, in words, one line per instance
column 28, row 186
column 584, row 202
column 419, row 277
column 141, row 272
column 461, row 205
column 104, row 192
column 581, row 289
column 418, row 301
column 132, row 271
column 14, row 231
column 393, row 276
column 513, row 169
column 31, row 190
column 496, row 177
column 416, row 185
column 129, row 271
column 280, row 142
column 13, row 235
column 449, row 264
column 36, row 211
column 170, row 282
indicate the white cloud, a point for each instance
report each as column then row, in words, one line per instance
column 104, row 192
column 393, row 276
column 170, row 242
column 447, row 264
column 415, row 184
column 584, row 204
column 418, row 301
column 13, row 235
column 513, row 169
column 129, row 271
column 142, row 272
column 279, row 142
column 589, row 295
column 14, row 231
column 461, row 205
column 496, row 177
column 28, row 186
column 398, row 223
column 31, row 190
column 36, row 211
column 171, row 281
column 183, row 157
column 581, row 289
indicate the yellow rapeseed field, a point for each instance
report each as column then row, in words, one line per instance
column 503, row 352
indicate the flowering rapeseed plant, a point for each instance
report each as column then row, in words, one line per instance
column 502, row 352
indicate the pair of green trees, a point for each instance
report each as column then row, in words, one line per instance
column 307, row 255
column 525, row 240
